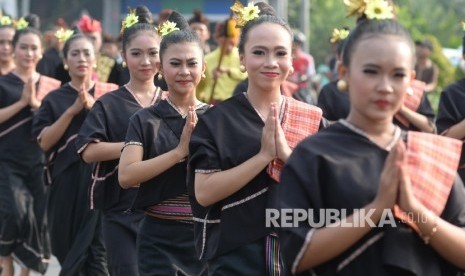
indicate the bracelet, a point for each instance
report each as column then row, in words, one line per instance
column 426, row 239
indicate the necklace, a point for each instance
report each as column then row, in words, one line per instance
column 281, row 108
column 78, row 89
column 175, row 107
column 138, row 100
column 388, row 147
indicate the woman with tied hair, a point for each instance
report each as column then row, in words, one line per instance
column 403, row 203
column 450, row 120
column 230, row 189
column 199, row 24
column 101, row 139
column 23, row 233
column 7, row 31
column 155, row 157
column 75, row 230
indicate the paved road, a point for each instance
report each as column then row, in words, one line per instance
column 53, row 269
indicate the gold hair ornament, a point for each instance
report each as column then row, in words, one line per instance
column 166, row 28
column 372, row 9
column 130, row 20
column 242, row 14
column 5, row 20
column 62, row 35
column 21, row 24
column 339, row 35
column 463, row 26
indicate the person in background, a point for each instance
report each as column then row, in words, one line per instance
column 200, row 25
column 450, row 120
column 426, row 70
column 302, row 62
column 223, row 72
column 23, row 231
column 155, row 158
column 75, row 230
column 7, row 31
column 101, row 139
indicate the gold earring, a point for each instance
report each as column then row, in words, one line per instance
column 342, row 85
column 242, row 68
column 94, row 66
column 123, row 64
column 160, row 76
column 291, row 70
column 65, row 66
column 203, row 76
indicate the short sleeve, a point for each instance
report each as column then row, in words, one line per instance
column 94, row 128
column 134, row 134
column 43, row 118
column 447, row 113
column 203, row 151
column 425, row 108
column 454, row 212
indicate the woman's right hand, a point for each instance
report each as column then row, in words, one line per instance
column 79, row 103
column 268, row 141
column 389, row 182
column 189, row 126
column 28, row 96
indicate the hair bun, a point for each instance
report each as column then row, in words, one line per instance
column 144, row 14
column 180, row 21
column 33, row 20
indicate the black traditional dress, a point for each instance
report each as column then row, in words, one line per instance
column 107, row 121
column 164, row 198
column 451, row 111
column 323, row 174
column 23, row 232
column 75, row 230
column 231, row 234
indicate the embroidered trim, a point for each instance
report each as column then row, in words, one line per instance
column 250, row 197
column 388, row 147
column 7, row 242
column 81, row 149
column 206, row 220
column 303, row 249
column 96, row 178
column 207, row 171
column 130, row 143
column 71, row 138
column 15, row 126
column 359, row 251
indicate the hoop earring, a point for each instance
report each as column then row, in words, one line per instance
column 242, row 68
column 342, row 85
column 65, row 66
column 94, row 66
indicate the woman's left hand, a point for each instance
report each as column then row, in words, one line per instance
column 283, row 150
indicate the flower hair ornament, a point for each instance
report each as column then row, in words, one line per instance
column 62, row 35
column 21, row 24
column 242, row 14
column 338, row 35
column 130, row 20
column 463, row 25
column 372, row 9
column 5, row 20
column 166, row 28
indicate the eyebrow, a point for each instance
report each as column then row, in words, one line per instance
column 139, row 49
column 266, row 48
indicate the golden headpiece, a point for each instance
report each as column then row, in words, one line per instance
column 372, row 9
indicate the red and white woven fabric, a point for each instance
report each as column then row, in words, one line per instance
column 101, row 88
column 46, row 84
column 412, row 99
column 432, row 162
column 299, row 121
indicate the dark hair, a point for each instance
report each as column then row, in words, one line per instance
column 267, row 15
column 184, row 35
column 198, row 18
column 463, row 45
column 366, row 28
column 32, row 28
column 144, row 24
column 73, row 38
column 33, row 20
column 25, row 31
